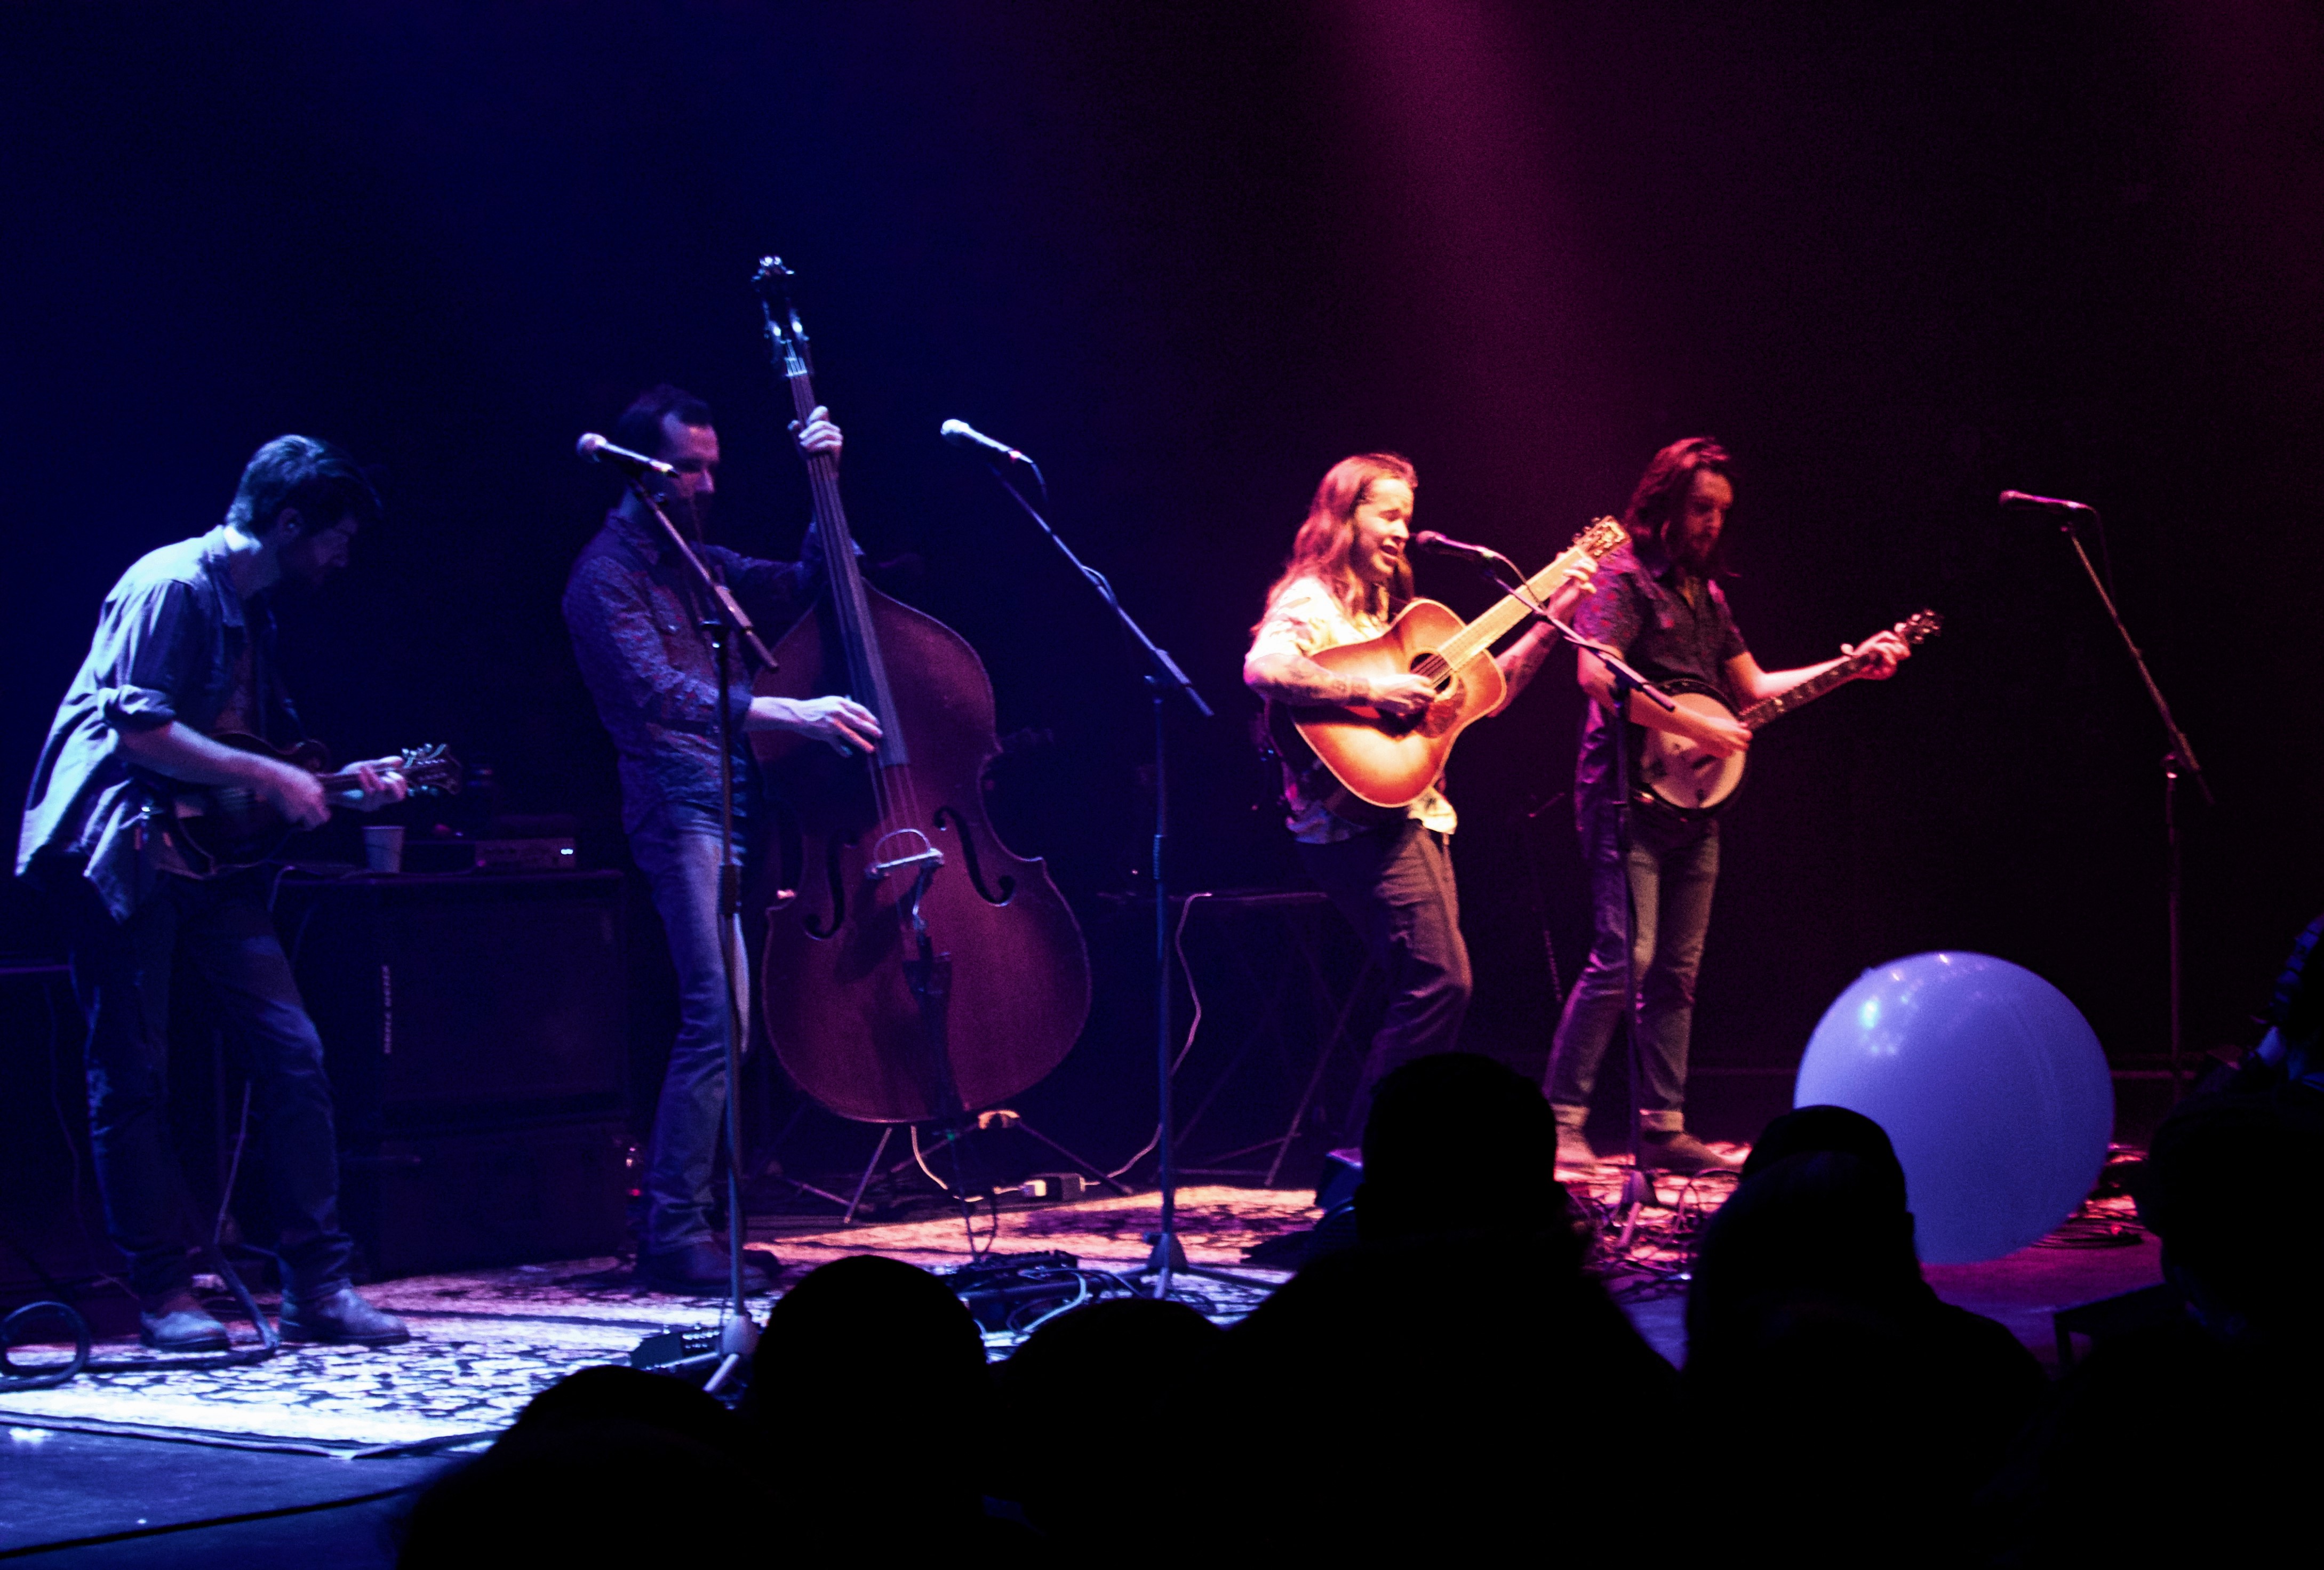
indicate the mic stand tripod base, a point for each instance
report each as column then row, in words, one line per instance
column 1637, row 1194
column 1168, row 1259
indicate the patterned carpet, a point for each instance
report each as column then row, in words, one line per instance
column 486, row 1342
column 458, row 1379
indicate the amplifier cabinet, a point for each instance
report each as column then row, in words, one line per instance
column 453, row 1000
column 474, row 1198
column 474, row 1028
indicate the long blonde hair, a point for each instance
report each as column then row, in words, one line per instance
column 1321, row 548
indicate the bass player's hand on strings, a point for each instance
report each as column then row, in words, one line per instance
column 816, row 433
column 842, row 723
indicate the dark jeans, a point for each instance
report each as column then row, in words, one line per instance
column 677, row 849
column 1673, row 869
column 1395, row 886
column 121, row 974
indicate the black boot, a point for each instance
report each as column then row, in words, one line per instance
column 176, row 1321
column 341, row 1318
column 698, row 1270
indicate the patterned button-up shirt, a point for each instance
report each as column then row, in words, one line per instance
column 1641, row 609
column 168, row 641
column 635, row 618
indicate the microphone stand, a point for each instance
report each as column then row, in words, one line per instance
column 1637, row 1189
column 2179, row 760
column 1162, row 678
column 739, row 1337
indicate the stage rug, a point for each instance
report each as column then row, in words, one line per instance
column 456, row 1381
column 486, row 1342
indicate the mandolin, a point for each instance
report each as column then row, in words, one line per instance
column 222, row 827
column 1675, row 773
column 1386, row 762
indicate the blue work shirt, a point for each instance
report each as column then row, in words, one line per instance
column 1641, row 609
column 635, row 613
column 167, row 640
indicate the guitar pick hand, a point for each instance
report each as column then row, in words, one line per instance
column 1401, row 696
column 292, row 791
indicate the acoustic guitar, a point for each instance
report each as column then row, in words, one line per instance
column 219, row 827
column 1388, row 762
column 1692, row 781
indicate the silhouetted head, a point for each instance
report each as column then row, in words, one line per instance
column 1457, row 1142
column 1819, row 1227
column 1125, row 1358
column 854, row 1359
column 863, row 1333
column 2225, row 1187
column 585, row 1492
column 616, row 1394
column 1830, row 1128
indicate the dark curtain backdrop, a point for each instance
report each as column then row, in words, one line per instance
column 1897, row 257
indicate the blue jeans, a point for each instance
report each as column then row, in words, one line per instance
column 121, row 974
column 677, row 848
column 1395, row 886
column 1673, row 869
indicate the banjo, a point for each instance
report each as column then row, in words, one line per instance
column 1694, row 781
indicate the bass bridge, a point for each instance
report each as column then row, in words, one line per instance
column 901, row 851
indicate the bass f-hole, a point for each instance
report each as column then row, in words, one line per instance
column 946, row 818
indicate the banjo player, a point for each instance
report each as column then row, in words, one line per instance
column 1657, row 604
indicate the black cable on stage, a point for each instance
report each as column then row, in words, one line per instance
column 14, row 1377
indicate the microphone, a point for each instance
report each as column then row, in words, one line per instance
column 1439, row 545
column 598, row 450
column 2043, row 503
column 961, row 434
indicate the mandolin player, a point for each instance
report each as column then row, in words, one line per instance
column 1346, row 579
column 184, row 649
column 1659, row 606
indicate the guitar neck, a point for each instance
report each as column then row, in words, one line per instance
column 1479, row 635
column 1807, row 691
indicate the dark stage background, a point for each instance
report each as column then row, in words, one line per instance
column 1191, row 254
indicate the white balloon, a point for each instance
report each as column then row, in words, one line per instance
column 1990, row 1083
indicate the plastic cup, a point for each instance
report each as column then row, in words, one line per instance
column 384, row 847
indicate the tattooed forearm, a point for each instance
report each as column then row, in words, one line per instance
column 1300, row 680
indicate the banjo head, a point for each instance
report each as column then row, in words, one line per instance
column 1679, row 773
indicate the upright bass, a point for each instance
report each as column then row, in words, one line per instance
column 915, row 969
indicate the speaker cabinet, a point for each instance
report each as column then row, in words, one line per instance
column 474, row 1026
column 423, row 1203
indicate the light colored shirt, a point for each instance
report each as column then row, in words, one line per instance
column 1304, row 617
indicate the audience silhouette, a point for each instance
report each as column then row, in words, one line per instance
column 1456, row 1382
column 1868, row 1400
column 2200, row 1414
column 1108, row 1369
column 873, row 1410
column 595, row 1472
column 1423, row 1393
